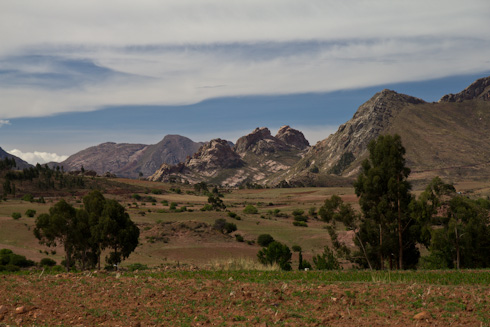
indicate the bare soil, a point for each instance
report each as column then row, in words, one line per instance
column 170, row 298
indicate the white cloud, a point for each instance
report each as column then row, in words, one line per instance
column 184, row 49
column 4, row 122
column 37, row 157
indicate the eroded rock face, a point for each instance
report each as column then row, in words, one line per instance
column 292, row 137
column 480, row 89
column 213, row 155
column 209, row 160
column 260, row 141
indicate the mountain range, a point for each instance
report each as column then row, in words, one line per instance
column 131, row 160
column 449, row 138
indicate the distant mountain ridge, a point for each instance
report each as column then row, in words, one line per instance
column 449, row 138
column 129, row 160
column 21, row 164
column 253, row 158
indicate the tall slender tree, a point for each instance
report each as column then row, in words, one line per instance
column 384, row 197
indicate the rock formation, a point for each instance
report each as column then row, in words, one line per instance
column 480, row 89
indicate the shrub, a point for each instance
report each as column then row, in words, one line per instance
column 230, row 228
column 326, row 261
column 173, row 205
column 223, row 226
column 250, row 209
column 265, row 239
column 16, row 215
column 30, row 213
column 239, row 238
column 137, row 266
column 156, row 191
column 276, row 252
column 164, row 202
column 207, row 207
column 28, row 197
column 301, row 218
column 300, row 224
column 298, row 212
column 47, row 262
column 137, row 197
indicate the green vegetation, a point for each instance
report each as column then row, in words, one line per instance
column 276, row 252
column 84, row 233
column 9, row 261
column 250, row 210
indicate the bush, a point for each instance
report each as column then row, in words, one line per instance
column 164, row 202
column 239, row 238
column 276, row 252
column 137, row 197
column 30, row 213
column 47, row 262
column 8, row 258
column 326, row 261
column 28, row 198
column 301, row 218
column 137, row 266
column 223, row 226
column 250, row 209
column 230, row 228
column 300, row 224
column 173, row 205
column 16, row 215
column 265, row 239
column 156, row 191
column 207, row 207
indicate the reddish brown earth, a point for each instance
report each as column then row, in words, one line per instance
column 200, row 299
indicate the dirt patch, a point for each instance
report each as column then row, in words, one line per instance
column 170, row 299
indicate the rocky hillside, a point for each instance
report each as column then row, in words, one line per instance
column 128, row 160
column 449, row 138
column 21, row 164
column 254, row 157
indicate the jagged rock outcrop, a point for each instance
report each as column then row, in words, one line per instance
column 480, row 89
column 20, row 164
column 292, row 137
column 129, row 160
column 260, row 141
column 215, row 155
column 208, row 161
column 254, row 157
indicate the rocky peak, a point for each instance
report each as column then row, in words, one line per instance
column 292, row 137
column 260, row 141
column 480, row 89
column 214, row 154
column 351, row 139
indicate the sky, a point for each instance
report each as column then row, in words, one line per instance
column 75, row 74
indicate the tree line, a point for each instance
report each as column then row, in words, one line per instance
column 85, row 233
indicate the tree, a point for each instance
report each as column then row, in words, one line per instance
column 384, row 197
column 276, row 252
column 265, row 239
column 464, row 239
column 120, row 232
column 59, row 226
